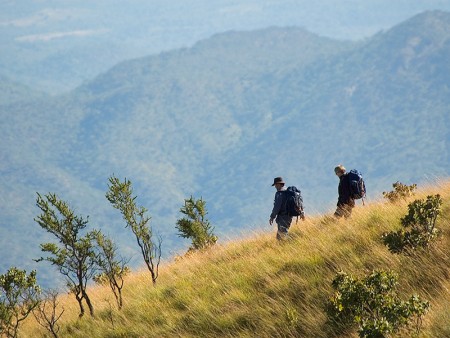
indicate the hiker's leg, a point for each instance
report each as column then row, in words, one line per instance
column 282, row 232
column 343, row 210
column 350, row 207
column 339, row 212
column 283, row 224
column 348, row 211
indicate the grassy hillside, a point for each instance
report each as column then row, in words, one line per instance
column 258, row 287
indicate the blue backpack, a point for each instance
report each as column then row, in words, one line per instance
column 294, row 202
column 357, row 185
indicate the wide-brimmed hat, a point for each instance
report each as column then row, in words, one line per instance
column 277, row 180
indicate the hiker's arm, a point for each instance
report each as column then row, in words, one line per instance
column 276, row 206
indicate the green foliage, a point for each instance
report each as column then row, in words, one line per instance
column 113, row 268
column 19, row 295
column 401, row 191
column 418, row 226
column 73, row 254
column 372, row 304
column 195, row 226
column 120, row 195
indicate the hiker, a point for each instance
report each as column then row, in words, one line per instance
column 345, row 202
column 279, row 212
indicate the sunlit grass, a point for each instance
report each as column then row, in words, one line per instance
column 259, row 287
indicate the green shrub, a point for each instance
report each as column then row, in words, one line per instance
column 401, row 191
column 418, row 226
column 73, row 254
column 120, row 195
column 372, row 304
column 112, row 267
column 19, row 295
column 195, row 226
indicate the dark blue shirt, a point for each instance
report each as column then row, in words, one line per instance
column 344, row 190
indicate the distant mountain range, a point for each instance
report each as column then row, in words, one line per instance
column 219, row 120
column 58, row 45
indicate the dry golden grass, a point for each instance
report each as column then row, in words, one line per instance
column 258, row 287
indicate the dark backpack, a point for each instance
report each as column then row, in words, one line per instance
column 357, row 185
column 294, row 202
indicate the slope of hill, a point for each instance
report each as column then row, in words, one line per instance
column 221, row 119
column 258, row 287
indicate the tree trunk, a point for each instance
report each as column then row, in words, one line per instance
column 79, row 300
column 88, row 302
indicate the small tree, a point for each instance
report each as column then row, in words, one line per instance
column 19, row 295
column 120, row 195
column 401, row 191
column 418, row 226
column 372, row 304
column 74, row 255
column 195, row 226
column 47, row 313
column 113, row 268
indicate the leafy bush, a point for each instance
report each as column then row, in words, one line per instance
column 418, row 226
column 195, row 226
column 120, row 195
column 74, row 254
column 112, row 267
column 401, row 191
column 372, row 304
column 19, row 295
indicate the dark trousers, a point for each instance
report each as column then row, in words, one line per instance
column 283, row 223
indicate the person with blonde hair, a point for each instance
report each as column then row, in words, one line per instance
column 345, row 202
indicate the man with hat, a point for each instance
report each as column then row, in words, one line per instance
column 279, row 212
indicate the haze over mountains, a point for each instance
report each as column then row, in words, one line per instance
column 219, row 120
column 57, row 45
